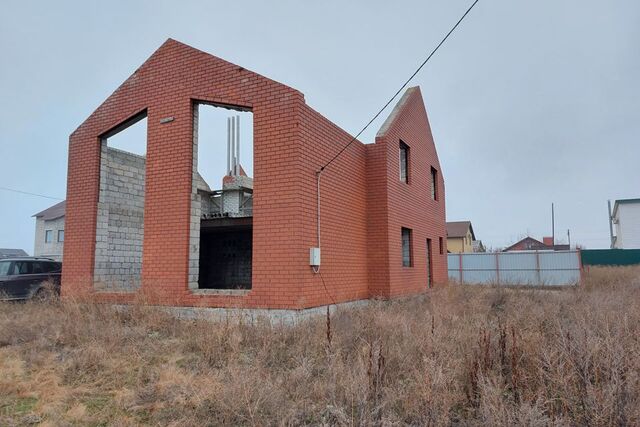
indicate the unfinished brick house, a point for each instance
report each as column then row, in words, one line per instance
column 150, row 223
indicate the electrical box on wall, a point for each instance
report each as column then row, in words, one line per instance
column 314, row 257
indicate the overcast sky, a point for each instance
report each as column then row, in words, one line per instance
column 530, row 102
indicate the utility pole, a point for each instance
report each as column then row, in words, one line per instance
column 553, row 227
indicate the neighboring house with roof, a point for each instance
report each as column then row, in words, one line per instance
column 460, row 237
column 478, row 246
column 12, row 253
column 626, row 218
column 49, row 239
column 531, row 244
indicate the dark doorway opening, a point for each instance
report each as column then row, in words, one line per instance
column 225, row 254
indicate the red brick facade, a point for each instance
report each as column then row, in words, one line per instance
column 364, row 204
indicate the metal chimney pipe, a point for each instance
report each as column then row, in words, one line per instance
column 553, row 228
column 233, row 145
column 238, row 147
column 228, row 145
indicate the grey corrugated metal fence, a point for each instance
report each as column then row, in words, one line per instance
column 535, row 268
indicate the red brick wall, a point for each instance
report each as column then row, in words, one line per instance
column 343, row 192
column 377, row 218
column 410, row 204
column 361, row 204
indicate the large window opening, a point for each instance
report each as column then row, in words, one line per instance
column 222, row 198
column 120, row 222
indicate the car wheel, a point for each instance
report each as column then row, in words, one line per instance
column 43, row 295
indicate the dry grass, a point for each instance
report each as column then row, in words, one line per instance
column 464, row 356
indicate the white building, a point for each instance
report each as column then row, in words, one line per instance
column 626, row 219
column 50, row 232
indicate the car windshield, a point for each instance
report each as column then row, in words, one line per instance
column 4, row 267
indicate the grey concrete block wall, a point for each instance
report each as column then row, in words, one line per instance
column 54, row 248
column 196, row 211
column 206, row 203
column 120, row 225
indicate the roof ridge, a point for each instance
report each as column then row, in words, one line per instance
column 396, row 110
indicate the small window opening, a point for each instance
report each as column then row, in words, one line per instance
column 60, row 236
column 404, row 162
column 407, row 253
column 434, row 183
column 48, row 236
column 441, row 244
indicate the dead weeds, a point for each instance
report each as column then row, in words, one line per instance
column 462, row 356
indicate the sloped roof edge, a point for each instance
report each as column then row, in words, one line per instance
column 54, row 212
column 459, row 229
column 396, row 110
column 182, row 48
column 622, row 202
column 522, row 240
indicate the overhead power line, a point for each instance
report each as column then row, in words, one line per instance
column 316, row 269
column 401, row 87
column 30, row 194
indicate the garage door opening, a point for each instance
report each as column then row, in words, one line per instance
column 222, row 198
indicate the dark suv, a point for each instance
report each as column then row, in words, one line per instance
column 29, row 277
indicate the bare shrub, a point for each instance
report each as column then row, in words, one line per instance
column 461, row 356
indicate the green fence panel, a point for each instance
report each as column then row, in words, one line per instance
column 610, row 256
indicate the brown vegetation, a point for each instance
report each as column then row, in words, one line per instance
column 463, row 356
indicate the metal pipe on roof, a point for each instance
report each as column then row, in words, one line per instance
column 228, row 145
column 238, row 141
column 233, row 145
